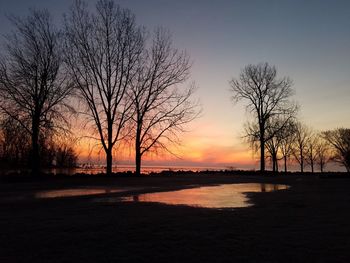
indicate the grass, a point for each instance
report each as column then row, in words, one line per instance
column 308, row 222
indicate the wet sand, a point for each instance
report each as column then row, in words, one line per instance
column 310, row 222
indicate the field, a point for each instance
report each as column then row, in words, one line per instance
column 310, row 222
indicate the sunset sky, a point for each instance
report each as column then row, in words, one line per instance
column 309, row 41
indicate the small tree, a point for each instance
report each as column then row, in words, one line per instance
column 14, row 142
column 65, row 156
column 272, row 147
column 287, row 141
column 340, row 142
column 267, row 97
column 278, row 147
column 33, row 86
column 161, row 107
column 311, row 152
column 301, row 141
column 322, row 152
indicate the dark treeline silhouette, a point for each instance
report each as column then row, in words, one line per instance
column 274, row 130
column 15, row 148
column 131, row 83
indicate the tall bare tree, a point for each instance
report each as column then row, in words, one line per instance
column 103, row 48
column 267, row 97
column 33, row 85
column 162, row 107
column 340, row 142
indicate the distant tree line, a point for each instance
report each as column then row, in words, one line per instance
column 274, row 130
column 131, row 83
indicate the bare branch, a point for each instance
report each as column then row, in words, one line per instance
column 103, row 49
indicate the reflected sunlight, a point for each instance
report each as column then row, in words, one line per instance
column 222, row 196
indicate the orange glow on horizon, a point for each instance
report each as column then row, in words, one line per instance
column 205, row 144
column 195, row 149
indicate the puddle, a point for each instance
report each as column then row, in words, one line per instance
column 79, row 192
column 222, row 196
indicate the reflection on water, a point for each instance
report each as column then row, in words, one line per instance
column 77, row 192
column 222, row 196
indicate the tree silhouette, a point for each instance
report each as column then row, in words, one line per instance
column 311, row 153
column 14, row 143
column 33, row 86
column 103, row 48
column 301, row 142
column 286, row 143
column 322, row 152
column 161, row 108
column 267, row 97
column 340, row 142
column 277, row 147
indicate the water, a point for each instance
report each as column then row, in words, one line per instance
column 79, row 192
column 222, row 196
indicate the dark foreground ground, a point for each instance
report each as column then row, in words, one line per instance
column 310, row 222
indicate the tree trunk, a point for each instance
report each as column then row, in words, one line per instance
column 301, row 161
column 109, row 146
column 285, row 163
column 262, row 146
column 262, row 155
column 274, row 162
column 109, row 161
column 138, row 153
column 35, row 158
column 138, row 163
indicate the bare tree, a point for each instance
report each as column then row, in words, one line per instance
column 65, row 156
column 340, row 142
column 267, row 97
column 162, row 107
column 103, row 48
column 272, row 147
column 311, row 152
column 277, row 146
column 286, row 144
column 322, row 152
column 274, row 142
column 32, row 84
column 301, row 142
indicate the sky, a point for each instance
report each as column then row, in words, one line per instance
column 309, row 41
